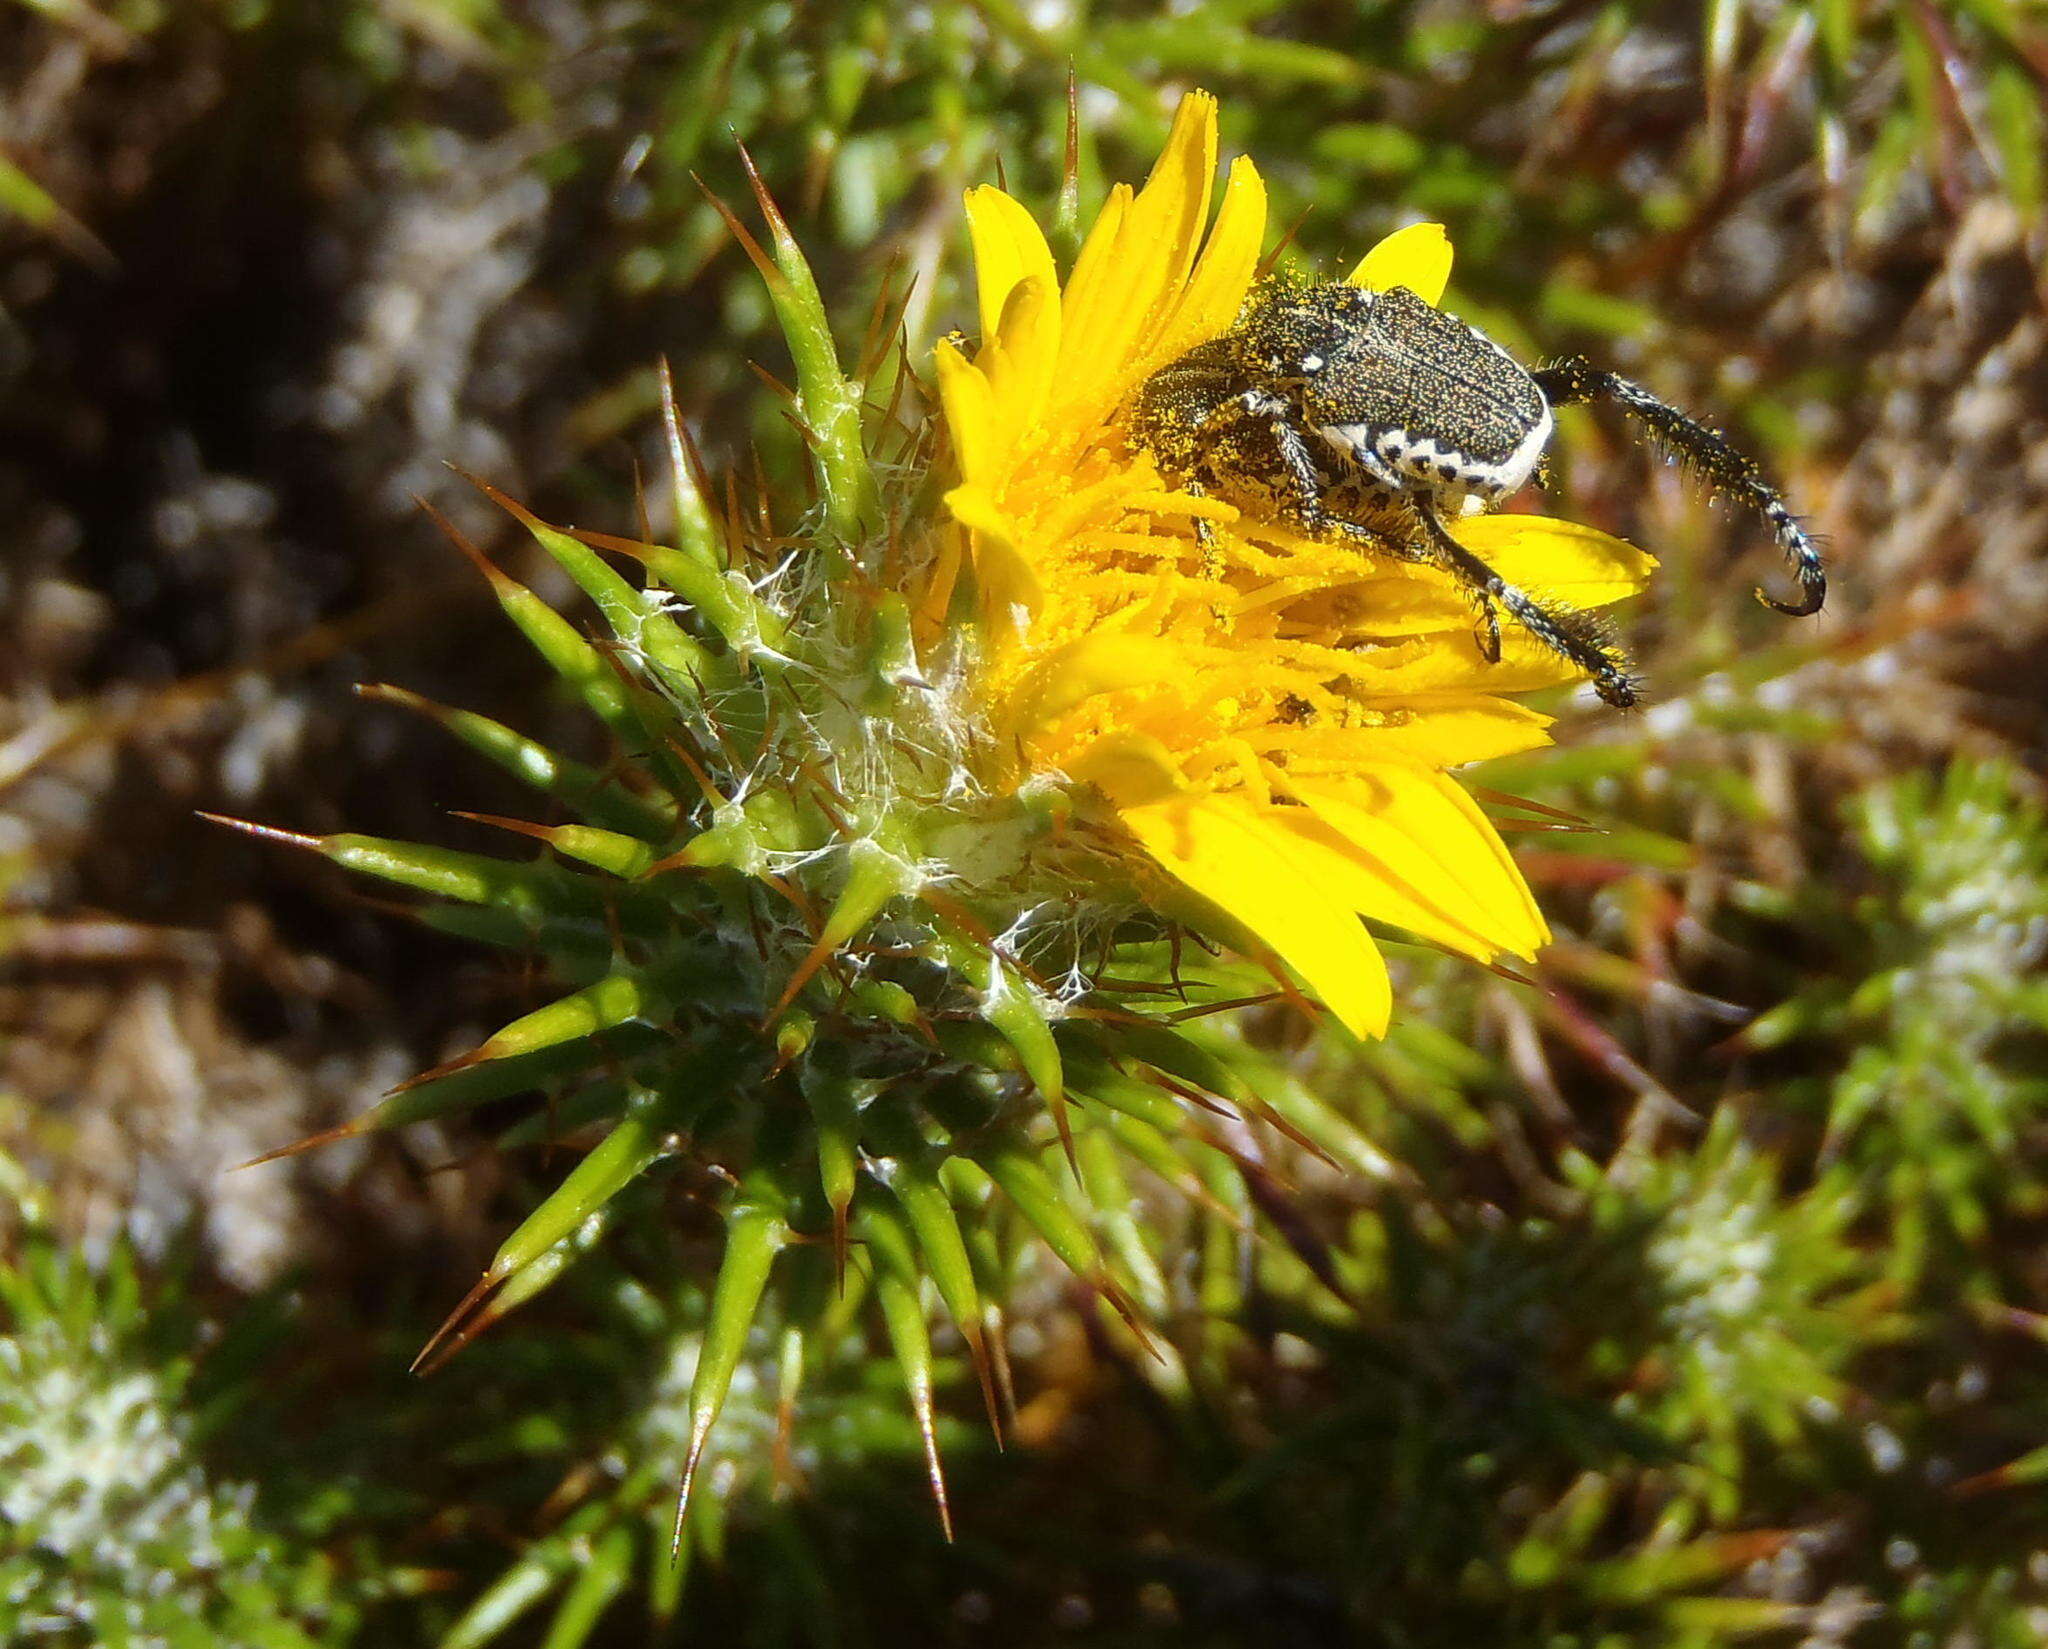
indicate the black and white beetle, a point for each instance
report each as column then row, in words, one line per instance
column 1375, row 416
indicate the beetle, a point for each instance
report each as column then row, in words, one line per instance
column 1375, row 417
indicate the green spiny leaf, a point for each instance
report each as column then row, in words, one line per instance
column 830, row 403
column 600, row 1577
column 836, row 1100
column 645, row 1133
column 1017, row 1172
column 896, row 1279
column 608, row 850
column 697, row 535
column 575, row 785
column 683, row 666
column 611, row 1001
column 756, row 1231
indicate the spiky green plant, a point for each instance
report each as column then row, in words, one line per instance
column 1750, row 1297
column 1934, row 989
column 805, row 954
column 113, row 1527
column 1555, row 1427
column 604, row 1408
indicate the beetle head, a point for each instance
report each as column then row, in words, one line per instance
column 1294, row 335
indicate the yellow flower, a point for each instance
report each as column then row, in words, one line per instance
column 1270, row 717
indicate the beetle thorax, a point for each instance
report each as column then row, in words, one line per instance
column 1414, row 398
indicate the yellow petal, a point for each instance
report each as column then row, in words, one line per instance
column 1404, row 601
column 974, row 506
column 1172, row 210
column 1418, row 257
column 1484, row 836
column 1580, row 566
column 1131, row 769
column 1377, row 894
column 1224, row 850
column 1106, row 661
column 1009, row 586
column 1009, row 248
column 1450, row 662
column 1403, row 880
column 1122, row 288
column 1453, row 730
column 1432, row 810
column 1096, row 268
column 1029, row 337
column 970, row 412
column 1215, row 292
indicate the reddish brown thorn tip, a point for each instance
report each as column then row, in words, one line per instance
column 498, row 581
column 1127, row 1308
column 326, row 1136
column 519, row 827
column 384, row 692
column 999, row 1357
column 1204, row 1010
column 1058, row 1104
column 777, row 225
column 1501, row 798
column 463, row 1307
column 984, row 1372
column 511, row 506
column 675, row 861
column 462, row 1062
column 486, row 1317
column 268, row 833
column 1070, row 170
column 695, row 768
column 760, row 259
column 1272, row 258
column 813, row 960
column 1274, row 1119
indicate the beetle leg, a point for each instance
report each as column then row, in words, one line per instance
column 1489, row 628
column 1205, row 529
column 1572, row 381
column 1298, row 462
column 1375, row 472
column 1570, row 635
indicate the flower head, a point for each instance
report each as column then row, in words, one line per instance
column 845, row 918
column 1271, row 718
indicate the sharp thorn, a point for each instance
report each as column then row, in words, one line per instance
column 977, row 1350
column 498, row 581
column 462, row 1062
column 700, row 1429
column 999, row 1359
column 1126, row 1308
column 521, row 827
column 921, row 1401
column 268, row 833
column 326, row 1136
column 463, row 1307
column 1066, row 1133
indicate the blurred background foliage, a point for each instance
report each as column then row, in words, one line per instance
column 1693, row 1294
